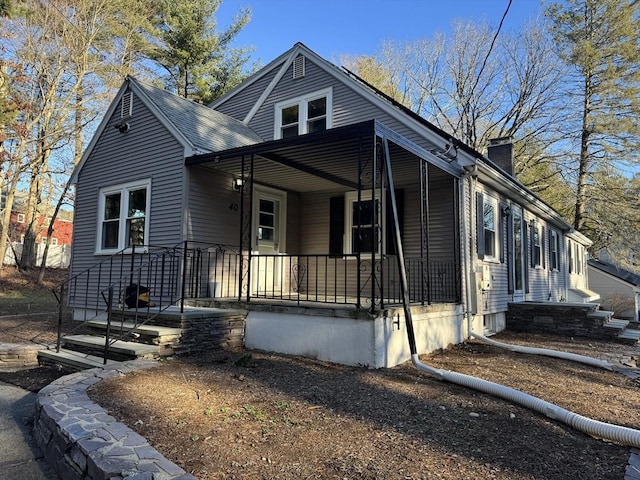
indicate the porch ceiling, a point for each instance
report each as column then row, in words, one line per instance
column 323, row 161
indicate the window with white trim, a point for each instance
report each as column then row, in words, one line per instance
column 306, row 114
column 122, row 216
column 554, row 250
column 369, row 213
column 21, row 218
column 490, row 226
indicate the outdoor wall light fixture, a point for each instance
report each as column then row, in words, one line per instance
column 123, row 127
column 237, row 184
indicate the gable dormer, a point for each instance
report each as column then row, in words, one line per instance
column 307, row 113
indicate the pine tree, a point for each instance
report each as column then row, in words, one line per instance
column 199, row 60
column 598, row 39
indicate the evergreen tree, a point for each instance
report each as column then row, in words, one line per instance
column 598, row 39
column 199, row 61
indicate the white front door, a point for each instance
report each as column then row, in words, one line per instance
column 269, row 227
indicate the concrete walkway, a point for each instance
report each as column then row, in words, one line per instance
column 20, row 458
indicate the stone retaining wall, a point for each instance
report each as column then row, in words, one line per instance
column 82, row 442
column 15, row 355
column 569, row 319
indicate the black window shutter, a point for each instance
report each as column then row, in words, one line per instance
column 336, row 226
column 389, row 238
column 480, row 224
column 525, row 232
column 543, row 248
column 532, row 243
column 502, row 225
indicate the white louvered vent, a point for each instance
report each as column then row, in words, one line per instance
column 298, row 67
column 127, row 105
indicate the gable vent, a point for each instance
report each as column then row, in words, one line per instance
column 126, row 109
column 298, row 67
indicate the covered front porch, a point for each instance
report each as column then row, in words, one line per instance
column 321, row 219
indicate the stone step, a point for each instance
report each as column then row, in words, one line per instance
column 616, row 324
column 71, row 360
column 604, row 314
column 118, row 348
column 154, row 334
column 630, row 336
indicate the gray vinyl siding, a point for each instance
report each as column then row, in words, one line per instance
column 348, row 106
column 213, row 214
column 239, row 105
column 146, row 151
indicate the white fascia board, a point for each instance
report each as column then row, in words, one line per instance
column 503, row 184
column 73, row 179
column 253, row 78
column 189, row 148
column 274, row 82
column 444, row 144
column 386, row 132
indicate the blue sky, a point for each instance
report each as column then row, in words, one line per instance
column 355, row 27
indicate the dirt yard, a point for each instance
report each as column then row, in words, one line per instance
column 252, row 415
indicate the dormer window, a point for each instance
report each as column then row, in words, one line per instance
column 306, row 114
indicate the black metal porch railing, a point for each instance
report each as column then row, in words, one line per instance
column 148, row 279
column 191, row 270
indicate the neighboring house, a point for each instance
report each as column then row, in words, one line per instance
column 619, row 288
column 62, row 229
column 282, row 192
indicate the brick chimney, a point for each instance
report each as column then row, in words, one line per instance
column 500, row 152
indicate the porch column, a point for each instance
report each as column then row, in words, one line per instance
column 246, row 228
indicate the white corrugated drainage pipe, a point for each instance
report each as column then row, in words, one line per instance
column 574, row 357
column 595, row 428
column 616, row 433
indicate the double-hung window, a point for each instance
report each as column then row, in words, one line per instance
column 306, row 114
column 488, row 225
column 123, row 216
column 363, row 223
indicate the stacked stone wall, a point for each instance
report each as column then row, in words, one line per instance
column 568, row 319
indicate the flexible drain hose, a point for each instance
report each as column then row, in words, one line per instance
column 607, row 431
column 616, row 433
column 574, row 357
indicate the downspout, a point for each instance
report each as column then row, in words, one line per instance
column 616, row 433
column 469, row 264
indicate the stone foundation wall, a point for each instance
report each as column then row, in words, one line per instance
column 568, row 319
